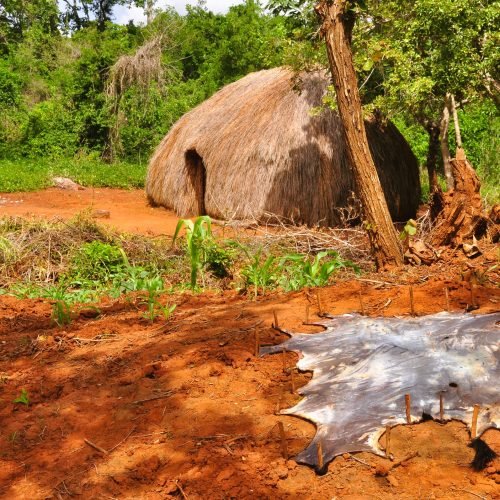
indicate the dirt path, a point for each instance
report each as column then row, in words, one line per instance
column 128, row 209
column 186, row 410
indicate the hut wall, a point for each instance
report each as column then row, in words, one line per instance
column 263, row 151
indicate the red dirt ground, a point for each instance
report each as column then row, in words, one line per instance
column 184, row 409
column 128, row 209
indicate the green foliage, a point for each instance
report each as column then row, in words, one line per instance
column 97, row 262
column 299, row 271
column 154, row 288
column 33, row 174
column 202, row 250
column 260, row 273
column 23, row 398
column 61, row 313
column 292, row 271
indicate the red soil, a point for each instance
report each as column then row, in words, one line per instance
column 128, row 209
column 185, row 409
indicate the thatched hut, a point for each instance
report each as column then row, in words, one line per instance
column 255, row 148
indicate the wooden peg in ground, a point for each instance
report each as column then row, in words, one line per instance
column 257, row 342
column 276, row 324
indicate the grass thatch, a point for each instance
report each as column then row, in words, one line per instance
column 264, row 151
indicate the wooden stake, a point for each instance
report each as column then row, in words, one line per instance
column 276, row 323
column 307, row 314
column 292, row 380
column 319, row 451
column 284, row 446
column 441, row 406
column 472, row 294
column 318, row 298
column 447, row 295
column 257, row 342
column 408, row 408
column 412, row 304
column 473, row 428
column 278, row 403
column 362, row 306
column 387, row 440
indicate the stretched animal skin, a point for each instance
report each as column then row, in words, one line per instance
column 363, row 367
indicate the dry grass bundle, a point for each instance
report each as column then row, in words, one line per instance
column 255, row 148
column 139, row 69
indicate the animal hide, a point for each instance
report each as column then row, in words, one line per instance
column 363, row 368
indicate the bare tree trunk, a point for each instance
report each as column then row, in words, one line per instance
column 433, row 155
column 445, row 149
column 149, row 11
column 337, row 25
column 460, row 154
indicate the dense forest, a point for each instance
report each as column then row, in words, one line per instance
column 79, row 92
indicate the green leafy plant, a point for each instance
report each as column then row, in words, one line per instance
column 23, row 398
column 97, row 262
column 198, row 233
column 259, row 273
column 61, row 313
column 409, row 230
column 299, row 271
column 154, row 287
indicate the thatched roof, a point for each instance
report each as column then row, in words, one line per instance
column 264, row 151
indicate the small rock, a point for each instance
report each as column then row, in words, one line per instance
column 101, row 214
column 89, row 312
column 170, row 488
column 224, row 475
column 345, row 456
column 65, row 183
column 282, row 472
column 393, row 481
column 491, row 470
column 382, row 470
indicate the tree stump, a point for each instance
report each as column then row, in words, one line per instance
column 458, row 214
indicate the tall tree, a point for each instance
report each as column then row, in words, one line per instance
column 432, row 57
column 337, row 22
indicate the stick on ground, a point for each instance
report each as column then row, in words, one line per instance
column 98, row 448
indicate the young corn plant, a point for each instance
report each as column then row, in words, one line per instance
column 258, row 274
column 23, row 398
column 198, row 233
column 298, row 271
column 154, row 287
column 61, row 309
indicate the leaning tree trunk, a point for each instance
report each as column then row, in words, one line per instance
column 433, row 155
column 337, row 25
